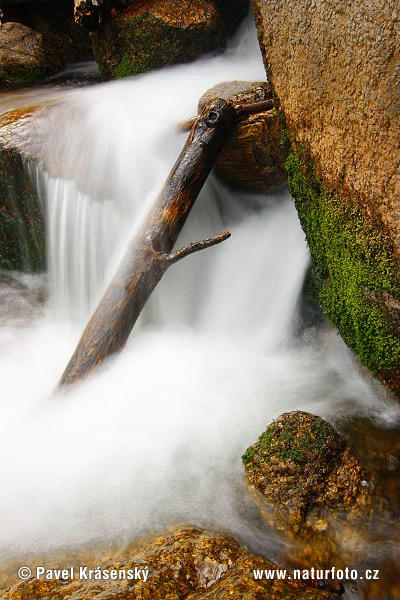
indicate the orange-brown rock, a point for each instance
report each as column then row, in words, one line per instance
column 253, row 158
column 305, row 470
column 153, row 33
column 334, row 67
column 329, row 509
column 334, row 70
column 189, row 563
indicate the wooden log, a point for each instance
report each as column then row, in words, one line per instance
column 150, row 253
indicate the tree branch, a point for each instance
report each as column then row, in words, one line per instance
column 195, row 247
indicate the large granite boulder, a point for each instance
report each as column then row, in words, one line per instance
column 334, row 70
column 189, row 563
column 148, row 35
column 253, row 158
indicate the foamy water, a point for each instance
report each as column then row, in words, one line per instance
column 156, row 436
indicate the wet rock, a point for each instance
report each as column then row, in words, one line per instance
column 23, row 59
column 334, row 69
column 189, row 563
column 22, row 241
column 37, row 39
column 151, row 34
column 305, row 470
column 92, row 13
column 253, row 158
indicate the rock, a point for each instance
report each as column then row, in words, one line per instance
column 23, row 59
column 151, row 34
column 189, row 563
column 38, row 39
column 337, row 88
column 317, row 492
column 253, row 158
column 305, row 470
column 22, row 242
column 91, row 13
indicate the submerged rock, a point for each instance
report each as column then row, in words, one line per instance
column 253, row 158
column 305, row 470
column 189, row 563
column 152, row 34
column 334, row 69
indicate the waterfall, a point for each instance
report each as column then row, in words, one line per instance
column 156, row 437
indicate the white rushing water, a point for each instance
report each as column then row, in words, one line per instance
column 156, row 437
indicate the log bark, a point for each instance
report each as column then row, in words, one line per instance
column 150, row 253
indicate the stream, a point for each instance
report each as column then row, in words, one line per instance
column 226, row 343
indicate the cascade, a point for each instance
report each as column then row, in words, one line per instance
column 221, row 348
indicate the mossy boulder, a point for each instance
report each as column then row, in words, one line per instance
column 253, row 158
column 22, row 241
column 188, row 563
column 306, row 471
column 337, row 91
column 310, row 486
column 150, row 35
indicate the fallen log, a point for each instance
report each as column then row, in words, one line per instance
column 150, row 253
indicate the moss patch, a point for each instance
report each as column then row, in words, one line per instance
column 137, row 43
column 297, row 439
column 351, row 253
column 22, row 241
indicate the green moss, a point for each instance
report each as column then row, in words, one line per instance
column 351, row 252
column 296, row 436
column 249, row 454
column 22, row 241
column 140, row 43
column 18, row 75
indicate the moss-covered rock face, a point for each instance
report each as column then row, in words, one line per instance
column 337, row 89
column 189, row 563
column 149, row 35
column 22, row 241
column 356, row 273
